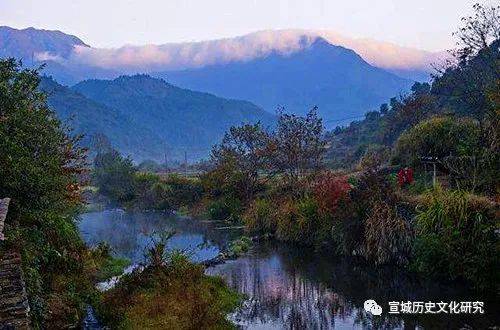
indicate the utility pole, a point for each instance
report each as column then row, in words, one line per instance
column 165, row 158
column 185, row 163
column 434, row 174
column 433, row 161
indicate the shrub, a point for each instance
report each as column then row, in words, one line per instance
column 329, row 190
column 288, row 227
column 225, row 180
column 225, row 208
column 259, row 217
column 456, row 237
column 114, row 175
column 374, row 157
column 240, row 246
column 183, row 191
column 347, row 230
column 349, row 218
column 300, row 222
column 388, row 236
column 156, row 253
column 150, row 192
column 369, row 221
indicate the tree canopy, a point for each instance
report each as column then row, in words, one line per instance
column 40, row 169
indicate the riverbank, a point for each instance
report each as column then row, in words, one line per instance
column 173, row 295
column 278, row 278
column 366, row 214
column 134, row 235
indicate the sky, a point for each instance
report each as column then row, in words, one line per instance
column 424, row 24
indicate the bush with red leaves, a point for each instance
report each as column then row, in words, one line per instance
column 329, row 189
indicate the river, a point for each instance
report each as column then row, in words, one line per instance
column 289, row 287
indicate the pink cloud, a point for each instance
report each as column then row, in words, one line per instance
column 176, row 56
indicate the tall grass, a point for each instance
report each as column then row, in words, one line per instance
column 456, row 237
column 388, row 236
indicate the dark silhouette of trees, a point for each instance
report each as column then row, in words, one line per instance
column 114, row 175
column 298, row 144
column 478, row 32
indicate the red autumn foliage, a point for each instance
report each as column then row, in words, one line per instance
column 329, row 189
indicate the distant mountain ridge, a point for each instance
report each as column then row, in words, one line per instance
column 296, row 69
column 147, row 118
column 178, row 119
column 36, row 45
column 71, row 52
column 334, row 78
column 88, row 117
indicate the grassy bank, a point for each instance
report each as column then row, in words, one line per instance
column 169, row 294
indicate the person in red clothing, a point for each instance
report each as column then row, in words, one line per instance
column 409, row 175
column 401, row 177
column 405, row 176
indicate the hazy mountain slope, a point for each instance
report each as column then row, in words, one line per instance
column 33, row 44
column 55, row 49
column 336, row 79
column 88, row 117
column 183, row 119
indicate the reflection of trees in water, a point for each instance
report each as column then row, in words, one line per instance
column 293, row 288
column 299, row 289
column 358, row 281
column 285, row 298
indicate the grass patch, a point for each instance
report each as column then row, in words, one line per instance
column 176, row 295
column 112, row 267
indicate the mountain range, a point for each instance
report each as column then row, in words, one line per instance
column 89, row 118
column 295, row 69
column 334, row 78
column 45, row 45
column 148, row 118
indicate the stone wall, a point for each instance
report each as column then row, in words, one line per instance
column 14, row 307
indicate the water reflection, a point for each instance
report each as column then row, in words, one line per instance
column 291, row 288
column 130, row 233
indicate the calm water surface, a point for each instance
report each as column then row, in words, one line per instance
column 289, row 287
column 130, row 234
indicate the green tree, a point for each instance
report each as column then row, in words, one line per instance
column 438, row 137
column 114, row 176
column 40, row 166
column 244, row 152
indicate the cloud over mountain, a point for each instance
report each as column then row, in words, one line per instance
column 131, row 59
